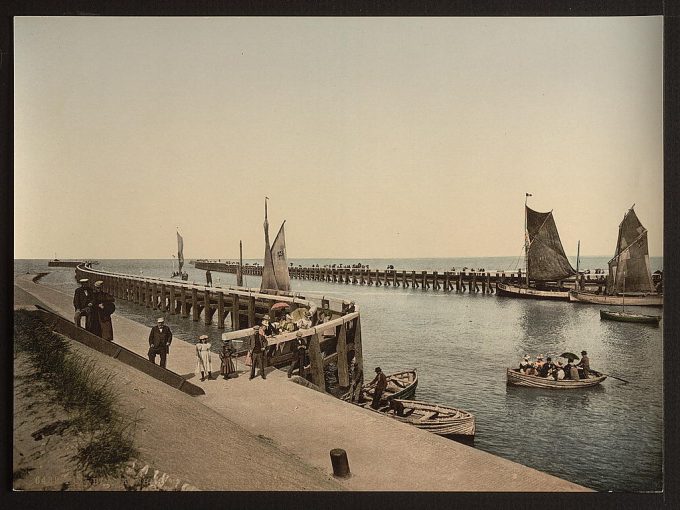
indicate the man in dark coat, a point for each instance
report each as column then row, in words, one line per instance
column 160, row 339
column 380, row 381
column 102, row 305
column 259, row 352
column 208, row 278
column 81, row 298
column 584, row 364
column 299, row 349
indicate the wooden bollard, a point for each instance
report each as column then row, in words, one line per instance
column 340, row 463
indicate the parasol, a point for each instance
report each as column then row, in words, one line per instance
column 280, row 306
column 569, row 355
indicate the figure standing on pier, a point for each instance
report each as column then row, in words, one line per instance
column 208, row 278
column 380, row 382
column 258, row 351
column 160, row 339
column 300, row 349
column 227, row 365
column 203, row 361
column 101, row 307
column 81, row 298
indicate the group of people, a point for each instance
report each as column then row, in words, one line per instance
column 96, row 306
column 556, row 370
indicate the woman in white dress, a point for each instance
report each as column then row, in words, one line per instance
column 203, row 362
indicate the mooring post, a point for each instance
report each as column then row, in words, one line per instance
column 220, row 310
column 234, row 312
column 251, row 311
column 207, row 311
column 316, row 361
column 340, row 463
column 343, row 365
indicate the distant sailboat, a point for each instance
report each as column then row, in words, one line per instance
column 545, row 259
column 180, row 258
column 630, row 276
column 275, row 270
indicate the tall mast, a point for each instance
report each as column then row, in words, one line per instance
column 239, row 272
column 526, row 239
column 623, row 296
column 578, row 255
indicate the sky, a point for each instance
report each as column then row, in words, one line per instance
column 372, row 137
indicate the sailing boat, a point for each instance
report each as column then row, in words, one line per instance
column 545, row 260
column 180, row 259
column 275, row 271
column 622, row 316
column 630, row 262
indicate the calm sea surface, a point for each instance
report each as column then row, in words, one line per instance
column 607, row 438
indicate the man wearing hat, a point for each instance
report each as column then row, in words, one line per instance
column 258, row 352
column 584, row 364
column 101, row 307
column 299, row 350
column 81, row 298
column 380, row 381
column 160, row 339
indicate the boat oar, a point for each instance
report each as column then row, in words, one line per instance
column 614, row 377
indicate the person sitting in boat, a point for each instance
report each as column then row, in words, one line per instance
column 567, row 369
column 395, row 406
column 546, row 368
column 584, row 365
column 538, row 365
column 524, row 365
column 269, row 328
column 558, row 371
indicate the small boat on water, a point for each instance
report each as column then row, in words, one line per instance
column 629, row 317
column 401, row 385
column 442, row 420
column 516, row 378
column 546, row 263
column 631, row 265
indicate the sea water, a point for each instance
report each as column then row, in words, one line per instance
column 607, row 438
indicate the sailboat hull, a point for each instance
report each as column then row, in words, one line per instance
column 503, row 289
column 602, row 299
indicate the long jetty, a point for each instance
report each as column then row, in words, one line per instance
column 447, row 281
column 337, row 340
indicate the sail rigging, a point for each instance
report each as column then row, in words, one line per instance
column 180, row 252
column 268, row 276
column 630, row 264
column 546, row 260
column 280, row 260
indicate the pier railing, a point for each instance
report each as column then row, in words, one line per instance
column 335, row 340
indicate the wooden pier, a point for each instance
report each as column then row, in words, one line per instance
column 447, row 281
column 337, row 340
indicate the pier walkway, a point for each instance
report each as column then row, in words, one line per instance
column 383, row 454
column 447, row 281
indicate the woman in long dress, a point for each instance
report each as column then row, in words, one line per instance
column 203, row 361
column 227, row 365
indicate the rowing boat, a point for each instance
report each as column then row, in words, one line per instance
column 515, row 378
column 399, row 385
column 629, row 317
column 436, row 418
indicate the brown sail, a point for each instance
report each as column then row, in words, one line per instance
column 545, row 255
column 631, row 259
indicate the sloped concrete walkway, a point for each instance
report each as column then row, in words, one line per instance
column 383, row 454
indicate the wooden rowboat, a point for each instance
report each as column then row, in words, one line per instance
column 436, row 418
column 629, row 299
column 515, row 378
column 504, row 289
column 441, row 420
column 629, row 317
column 399, row 385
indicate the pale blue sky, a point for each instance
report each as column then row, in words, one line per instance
column 373, row 137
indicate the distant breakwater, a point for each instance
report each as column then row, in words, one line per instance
column 460, row 281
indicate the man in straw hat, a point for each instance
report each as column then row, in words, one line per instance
column 81, row 298
column 160, row 339
column 258, row 350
